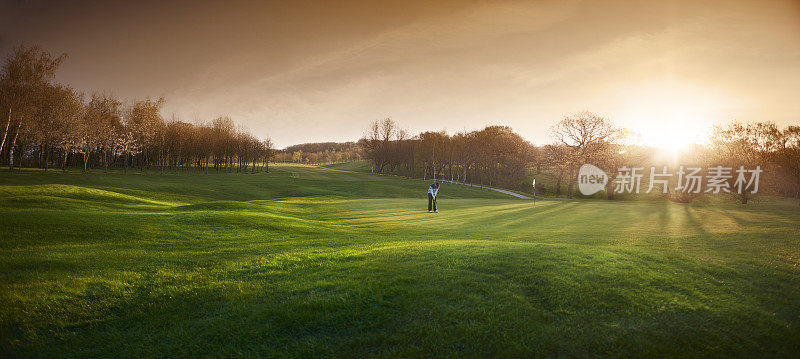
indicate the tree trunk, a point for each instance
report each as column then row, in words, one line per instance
column 21, row 153
column 39, row 163
column 64, row 163
column 610, row 189
column 11, row 148
column 5, row 133
column 558, row 186
column 450, row 170
column 798, row 187
column 571, row 184
column 46, row 158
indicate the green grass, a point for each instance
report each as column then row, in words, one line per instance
column 357, row 166
column 312, row 262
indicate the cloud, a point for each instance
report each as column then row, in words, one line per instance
column 301, row 72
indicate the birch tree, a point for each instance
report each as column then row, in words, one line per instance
column 24, row 77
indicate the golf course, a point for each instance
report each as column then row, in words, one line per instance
column 308, row 261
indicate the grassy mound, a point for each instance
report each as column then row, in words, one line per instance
column 309, row 261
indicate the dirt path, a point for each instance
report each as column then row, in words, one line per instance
column 491, row 188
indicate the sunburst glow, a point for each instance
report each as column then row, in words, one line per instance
column 670, row 116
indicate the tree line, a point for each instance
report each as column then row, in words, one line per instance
column 497, row 156
column 48, row 124
column 589, row 138
column 320, row 152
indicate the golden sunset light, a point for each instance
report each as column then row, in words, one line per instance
column 671, row 116
column 399, row 179
column 454, row 65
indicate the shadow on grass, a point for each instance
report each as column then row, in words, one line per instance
column 433, row 299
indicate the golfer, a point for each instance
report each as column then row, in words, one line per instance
column 432, row 191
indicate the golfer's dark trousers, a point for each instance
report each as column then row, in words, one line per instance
column 431, row 203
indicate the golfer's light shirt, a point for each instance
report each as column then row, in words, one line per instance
column 433, row 191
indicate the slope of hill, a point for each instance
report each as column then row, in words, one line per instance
column 355, row 166
column 311, row 262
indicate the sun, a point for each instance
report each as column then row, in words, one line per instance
column 673, row 130
column 670, row 116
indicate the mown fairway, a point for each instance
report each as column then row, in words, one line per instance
column 308, row 261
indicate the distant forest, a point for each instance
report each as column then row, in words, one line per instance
column 497, row 156
column 320, row 152
column 49, row 124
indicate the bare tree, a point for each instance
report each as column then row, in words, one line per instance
column 376, row 141
column 587, row 135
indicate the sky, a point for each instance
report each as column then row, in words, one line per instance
column 313, row 71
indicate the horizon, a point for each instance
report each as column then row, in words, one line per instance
column 498, row 178
column 667, row 70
